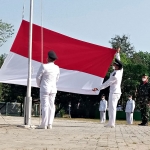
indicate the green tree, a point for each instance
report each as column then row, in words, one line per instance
column 124, row 43
column 6, row 31
column 2, row 58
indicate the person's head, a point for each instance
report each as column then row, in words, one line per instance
column 145, row 77
column 51, row 56
column 129, row 97
column 117, row 65
column 103, row 97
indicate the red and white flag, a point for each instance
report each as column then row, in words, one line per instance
column 83, row 65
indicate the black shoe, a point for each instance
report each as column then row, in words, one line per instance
column 141, row 124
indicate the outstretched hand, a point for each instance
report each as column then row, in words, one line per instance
column 118, row 50
column 95, row 89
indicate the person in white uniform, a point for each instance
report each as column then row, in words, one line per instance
column 46, row 79
column 102, row 109
column 130, row 106
column 115, row 89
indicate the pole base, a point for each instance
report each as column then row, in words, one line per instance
column 27, row 126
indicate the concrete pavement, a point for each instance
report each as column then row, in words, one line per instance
column 70, row 134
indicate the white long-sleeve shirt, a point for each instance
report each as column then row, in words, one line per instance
column 130, row 106
column 114, row 80
column 103, row 105
column 47, row 77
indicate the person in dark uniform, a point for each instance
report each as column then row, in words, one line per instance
column 143, row 99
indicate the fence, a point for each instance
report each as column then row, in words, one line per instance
column 17, row 109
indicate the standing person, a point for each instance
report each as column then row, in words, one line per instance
column 46, row 79
column 143, row 99
column 102, row 109
column 130, row 106
column 115, row 90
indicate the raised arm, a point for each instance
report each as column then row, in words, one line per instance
column 118, row 54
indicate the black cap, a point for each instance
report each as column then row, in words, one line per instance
column 129, row 95
column 118, row 63
column 103, row 95
column 145, row 74
column 52, row 55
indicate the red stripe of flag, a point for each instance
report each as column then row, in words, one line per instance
column 73, row 54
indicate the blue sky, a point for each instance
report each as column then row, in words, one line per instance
column 95, row 21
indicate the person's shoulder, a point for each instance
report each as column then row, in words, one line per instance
column 56, row 65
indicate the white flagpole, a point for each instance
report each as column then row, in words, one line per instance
column 27, row 120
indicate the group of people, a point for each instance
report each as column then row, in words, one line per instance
column 48, row 75
column 130, row 106
column 142, row 94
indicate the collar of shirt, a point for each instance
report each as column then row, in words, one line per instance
column 145, row 82
column 50, row 62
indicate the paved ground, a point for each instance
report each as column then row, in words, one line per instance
column 69, row 134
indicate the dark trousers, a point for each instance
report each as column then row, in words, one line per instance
column 144, row 108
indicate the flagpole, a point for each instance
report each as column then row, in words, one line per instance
column 28, row 99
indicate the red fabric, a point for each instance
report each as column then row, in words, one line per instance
column 73, row 54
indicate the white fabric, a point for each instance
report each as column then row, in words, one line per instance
column 48, row 108
column 130, row 106
column 113, row 100
column 129, row 117
column 15, row 71
column 103, row 105
column 47, row 76
column 102, row 116
column 114, row 81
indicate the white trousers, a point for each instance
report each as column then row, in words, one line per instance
column 113, row 100
column 102, row 116
column 48, row 108
column 129, row 117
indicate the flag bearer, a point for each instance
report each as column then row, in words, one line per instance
column 46, row 79
column 115, row 89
